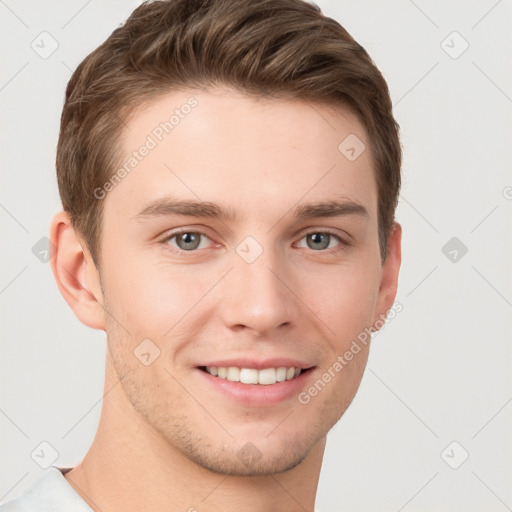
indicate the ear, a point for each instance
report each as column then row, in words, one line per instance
column 76, row 275
column 389, row 276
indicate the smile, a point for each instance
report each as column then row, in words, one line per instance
column 264, row 376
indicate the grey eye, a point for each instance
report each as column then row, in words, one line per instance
column 188, row 241
column 318, row 240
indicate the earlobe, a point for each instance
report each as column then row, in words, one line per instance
column 389, row 277
column 75, row 273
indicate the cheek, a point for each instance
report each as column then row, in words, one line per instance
column 150, row 298
column 345, row 299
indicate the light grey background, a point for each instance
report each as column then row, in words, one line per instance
column 439, row 372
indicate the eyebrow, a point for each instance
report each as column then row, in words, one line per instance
column 168, row 206
column 330, row 209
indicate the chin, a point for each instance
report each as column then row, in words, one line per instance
column 256, row 465
column 262, row 456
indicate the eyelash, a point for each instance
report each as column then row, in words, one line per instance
column 342, row 243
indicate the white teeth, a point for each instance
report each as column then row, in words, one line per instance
column 264, row 377
column 233, row 374
column 281, row 374
column 267, row 376
column 249, row 376
column 212, row 370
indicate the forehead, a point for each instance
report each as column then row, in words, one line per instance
column 240, row 152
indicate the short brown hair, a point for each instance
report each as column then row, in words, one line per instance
column 267, row 48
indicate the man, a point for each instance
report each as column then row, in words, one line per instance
column 229, row 172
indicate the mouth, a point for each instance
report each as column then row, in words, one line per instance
column 262, row 377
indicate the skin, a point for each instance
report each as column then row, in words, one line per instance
column 166, row 441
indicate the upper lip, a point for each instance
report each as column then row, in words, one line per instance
column 276, row 362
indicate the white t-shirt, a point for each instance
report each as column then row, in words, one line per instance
column 50, row 493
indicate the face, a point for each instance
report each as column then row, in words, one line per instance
column 241, row 245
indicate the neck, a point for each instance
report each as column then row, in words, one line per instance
column 132, row 467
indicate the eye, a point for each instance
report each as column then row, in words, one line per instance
column 187, row 240
column 321, row 240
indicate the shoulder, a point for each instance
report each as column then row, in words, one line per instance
column 51, row 492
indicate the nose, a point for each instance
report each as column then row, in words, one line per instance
column 257, row 297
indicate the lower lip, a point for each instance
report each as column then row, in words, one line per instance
column 258, row 395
